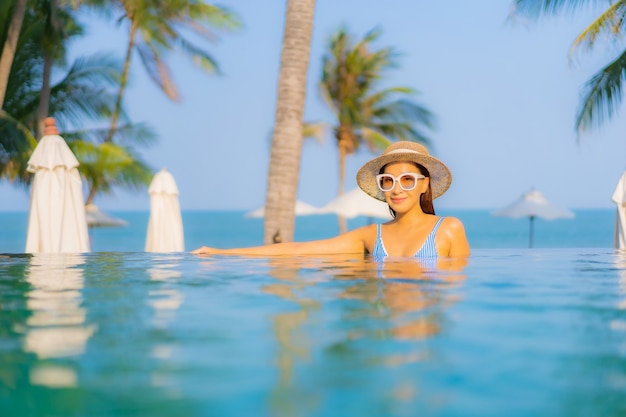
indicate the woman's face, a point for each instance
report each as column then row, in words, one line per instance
column 399, row 199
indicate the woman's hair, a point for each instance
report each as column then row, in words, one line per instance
column 426, row 199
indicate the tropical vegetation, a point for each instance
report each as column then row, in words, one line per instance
column 41, row 84
column 602, row 94
column 36, row 81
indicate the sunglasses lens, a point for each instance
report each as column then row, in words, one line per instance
column 408, row 182
column 385, row 182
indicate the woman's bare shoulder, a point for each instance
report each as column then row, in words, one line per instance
column 452, row 223
column 454, row 232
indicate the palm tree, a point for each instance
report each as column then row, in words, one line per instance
column 286, row 148
column 82, row 94
column 29, row 71
column 158, row 27
column 57, row 27
column 18, row 10
column 602, row 94
column 366, row 114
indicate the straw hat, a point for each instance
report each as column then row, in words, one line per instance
column 404, row 151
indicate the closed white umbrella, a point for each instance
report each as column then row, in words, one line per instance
column 533, row 204
column 619, row 198
column 302, row 209
column 356, row 203
column 165, row 225
column 56, row 217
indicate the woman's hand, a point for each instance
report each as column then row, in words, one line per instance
column 205, row 250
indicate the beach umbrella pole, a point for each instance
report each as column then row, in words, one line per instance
column 530, row 235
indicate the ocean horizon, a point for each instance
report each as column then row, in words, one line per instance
column 590, row 228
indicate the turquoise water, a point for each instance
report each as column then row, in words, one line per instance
column 514, row 332
column 120, row 332
column 589, row 229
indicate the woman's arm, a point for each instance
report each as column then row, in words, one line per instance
column 351, row 242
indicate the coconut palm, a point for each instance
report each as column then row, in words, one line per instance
column 50, row 26
column 286, row 148
column 58, row 26
column 32, row 68
column 365, row 113
column 602, row 94
column 156, row 27
column 81, row 95
column 16, row 10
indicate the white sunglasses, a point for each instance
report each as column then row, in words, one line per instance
column 407, row 181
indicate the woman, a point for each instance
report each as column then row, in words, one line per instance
column 408, row 179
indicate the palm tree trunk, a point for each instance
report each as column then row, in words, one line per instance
column 44, row 96
column 345, row 147
column 286, row 149
column 50, row 33
column 10, row 45
column 93, row 190
column 123, row 81
column 343, row 224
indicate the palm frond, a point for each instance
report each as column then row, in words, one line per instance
column 199, row 57
column 403, row 111
column 128, row 135
column 315, row 131
column 218, row 17
column 107, row 165
column 537, row 8
column 157, row 70
column 602, row 95
column 609, row 23
column 374, row 139
column 16, row 146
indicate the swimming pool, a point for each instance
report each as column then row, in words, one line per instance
column 514, row 332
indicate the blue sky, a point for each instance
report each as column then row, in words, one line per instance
column 505, row 95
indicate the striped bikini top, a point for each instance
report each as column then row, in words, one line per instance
column 428, row 249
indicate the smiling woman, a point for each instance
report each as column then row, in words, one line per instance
column 407, row 178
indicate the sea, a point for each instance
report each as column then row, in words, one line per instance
column 590, row 228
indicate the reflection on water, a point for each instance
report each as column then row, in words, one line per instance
column 166, row 299
column 402, row 299
column 532, row 332
column 293, row 344
column 619, row 325
column 411, row 295
column 56, row 327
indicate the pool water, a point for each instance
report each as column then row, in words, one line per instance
column 515, row 332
